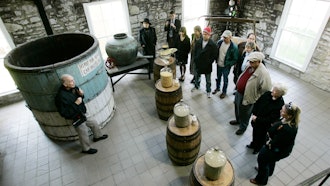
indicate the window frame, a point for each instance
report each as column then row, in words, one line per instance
column 6, row 77
column 92, row 30
column 281, row 28
column 190, row 30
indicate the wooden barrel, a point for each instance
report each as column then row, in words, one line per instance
column 183, row 144
column 100, row 109
column 166, row 98
column 37, row 66
column 159, row 64
column 197, row 176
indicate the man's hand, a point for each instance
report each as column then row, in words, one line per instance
column 78, row 101
column 253, row 118
column 173, row 25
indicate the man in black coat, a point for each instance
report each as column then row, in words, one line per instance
column 70, row 105
column 172, row 27
column 148, row 40
column 205, row 55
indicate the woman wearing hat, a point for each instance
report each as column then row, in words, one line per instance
column 148, row 40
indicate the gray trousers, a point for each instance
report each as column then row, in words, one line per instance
column 82, row 131
column 242, row 112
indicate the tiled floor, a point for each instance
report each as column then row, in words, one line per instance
column 136, row 153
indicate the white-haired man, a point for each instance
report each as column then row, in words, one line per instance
column 70, row 105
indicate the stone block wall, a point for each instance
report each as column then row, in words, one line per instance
column 66, row 16
column 218, row 8
column 23, row 22
column 269, row 13
column 157, row 12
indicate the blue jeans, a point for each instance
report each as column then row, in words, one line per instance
column 222, row 71
column 198, row 81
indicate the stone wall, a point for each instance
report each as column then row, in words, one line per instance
column 66, row 16
column 218, row 8
column 269, row 13
column 23, row 22
column 156, row 11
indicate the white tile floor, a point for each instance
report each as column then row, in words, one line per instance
column 135, row 152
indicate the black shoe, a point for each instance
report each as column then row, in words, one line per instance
column 105, row 136
column 250, row 146
column 192, row 81
column 240, row 132
column 233, row 122
column 90, row 151
column 215, row 91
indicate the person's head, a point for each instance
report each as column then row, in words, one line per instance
column 255, row 58
column 251, row 38
column 197, row 31
column 207, row 33
column 68, row 81
column 227, row 35
column 183, row 31
column 172, row 15
column 250, row 46
column 146, row 23
column 278, row 90
column 291, row 114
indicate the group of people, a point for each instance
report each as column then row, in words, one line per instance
column 274, row 122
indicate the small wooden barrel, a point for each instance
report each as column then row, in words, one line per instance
column 197, row 176
column 183, row 144
column 166, row 98
column 159, row 64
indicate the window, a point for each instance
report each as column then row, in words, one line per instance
column 107, row 18
column 300, row 29
column 192, row 11
column 7, row 83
